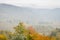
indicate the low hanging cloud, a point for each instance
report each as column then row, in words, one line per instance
column 34, row 3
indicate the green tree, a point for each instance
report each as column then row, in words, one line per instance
column 21, row 33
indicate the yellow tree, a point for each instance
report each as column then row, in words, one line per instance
column 3, row 37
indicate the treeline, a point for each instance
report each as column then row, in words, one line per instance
column 23, row 33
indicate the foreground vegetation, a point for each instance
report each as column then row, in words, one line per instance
column 23, row 33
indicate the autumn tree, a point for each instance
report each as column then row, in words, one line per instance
column 3, row 37
column 21, row 33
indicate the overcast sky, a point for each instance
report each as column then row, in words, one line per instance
column 34, row 3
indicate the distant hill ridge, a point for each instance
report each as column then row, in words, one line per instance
column 10, row 15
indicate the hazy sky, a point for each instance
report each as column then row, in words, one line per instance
column 34, row 3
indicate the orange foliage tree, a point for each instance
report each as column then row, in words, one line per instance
column 37, row 36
